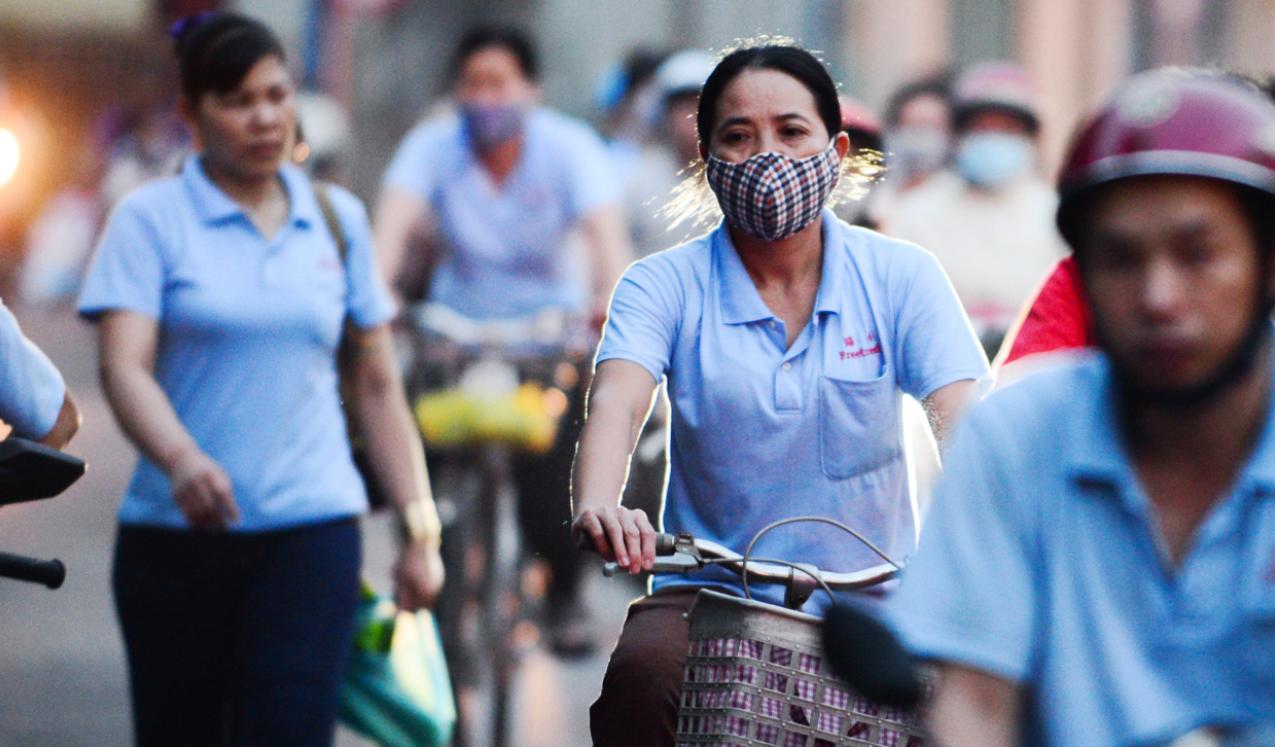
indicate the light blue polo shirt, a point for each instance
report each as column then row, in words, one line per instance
column 248, row 331
column 760, row 432
column 1039, row 563
column 31, row 389
column 504, row 247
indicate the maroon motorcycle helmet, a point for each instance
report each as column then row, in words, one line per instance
column 1171, row 121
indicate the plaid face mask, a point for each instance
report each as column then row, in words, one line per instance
column 772, row 196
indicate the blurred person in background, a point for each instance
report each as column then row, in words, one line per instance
column 629, row 103
column 917, row 140
column 499, row 187
column 786, row 339
column 863, row 128
column 323, row 134
column 60, row 239
column 988, row 218
column 672, row 149
column 34, row 401
column 1099, row 567
column 220, row 299
column 147, row 143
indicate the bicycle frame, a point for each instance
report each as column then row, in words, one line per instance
column 506, row 352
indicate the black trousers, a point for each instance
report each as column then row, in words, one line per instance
column 237, row 639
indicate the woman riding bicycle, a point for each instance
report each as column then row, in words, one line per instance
column 787, row 339
column 220, row 296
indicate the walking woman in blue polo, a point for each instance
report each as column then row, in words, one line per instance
column 787, row 339
column 220, row 296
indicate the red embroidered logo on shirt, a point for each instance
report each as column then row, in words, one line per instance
column 862, row 352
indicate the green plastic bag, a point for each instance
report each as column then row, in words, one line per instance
column 396, row 690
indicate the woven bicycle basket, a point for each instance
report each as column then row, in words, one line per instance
column 755, row 675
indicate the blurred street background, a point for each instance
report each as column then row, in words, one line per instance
column 87, row 91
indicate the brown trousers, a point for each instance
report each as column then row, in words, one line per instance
column 638, row 704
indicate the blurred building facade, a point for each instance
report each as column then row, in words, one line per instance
column 387, row 60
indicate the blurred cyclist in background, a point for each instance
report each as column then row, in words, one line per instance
column 34, row 401
column 989, row 218
column 1099, row 567
column 500, row 187
column 629, row 103
column 672, row 149
column 917, row 139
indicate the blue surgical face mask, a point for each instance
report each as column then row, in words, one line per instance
column 490, row 125
column 993, row 159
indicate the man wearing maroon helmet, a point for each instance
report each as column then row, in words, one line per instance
column 1099, row 567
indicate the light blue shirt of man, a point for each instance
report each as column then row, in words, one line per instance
column 249, row 328
column 1041, row 564
column 762, row 431
column 505, row 249
column 31, row 389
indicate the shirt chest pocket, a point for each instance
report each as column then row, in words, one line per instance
column 858, row 425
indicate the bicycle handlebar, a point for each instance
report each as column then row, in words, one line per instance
column 51, row 573
column 685, row 553
column 547, row 329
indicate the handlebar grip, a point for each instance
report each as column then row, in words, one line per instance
column 51, row 573
column 665, row 544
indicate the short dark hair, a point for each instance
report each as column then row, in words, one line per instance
column 793, row 61
column 508, row 38
column 215, row 51
column 938, row 85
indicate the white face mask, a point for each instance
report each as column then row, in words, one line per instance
column 916, row 151
column 993, row 159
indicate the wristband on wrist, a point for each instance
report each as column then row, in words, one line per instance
column 420, row 518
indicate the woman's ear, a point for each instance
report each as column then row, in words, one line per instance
column 842, row 144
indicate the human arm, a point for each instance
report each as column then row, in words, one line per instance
column 610, row 250
column 945, row 406
column 972, row 708
column 619, row 401
column 201, row 488
column 66, row 425
column 938, row 358
column 401, row 219
column 970, row 598
column 34, row 400
column 378, row 410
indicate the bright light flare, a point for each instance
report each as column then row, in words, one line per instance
column 10, row 155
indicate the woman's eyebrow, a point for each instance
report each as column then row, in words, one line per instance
column 731, row 121
column 792, row 115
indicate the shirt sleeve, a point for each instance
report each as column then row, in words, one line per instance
column 935, row 345
column 367, row 298
column 592, row 179
column 127, row 271
column 414, row 166
column 968, row 596
column 1058, row 318
column 31, row 389
column 644, row 318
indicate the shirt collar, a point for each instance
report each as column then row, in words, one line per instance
column 1096, row 450
column 737, row 295
column 215, row 206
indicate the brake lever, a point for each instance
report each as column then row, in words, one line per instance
column 678, row 562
